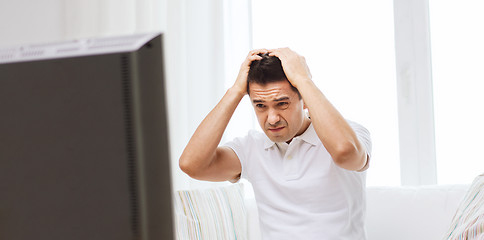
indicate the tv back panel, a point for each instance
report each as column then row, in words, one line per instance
column 84, row 151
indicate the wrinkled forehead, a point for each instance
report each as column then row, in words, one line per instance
column 272, row 91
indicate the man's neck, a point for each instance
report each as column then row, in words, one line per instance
column 303, row 129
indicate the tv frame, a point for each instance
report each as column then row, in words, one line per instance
column 84, row 145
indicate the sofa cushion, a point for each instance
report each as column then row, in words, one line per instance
column 416, row 213
column 214, row 213
column 468, row 221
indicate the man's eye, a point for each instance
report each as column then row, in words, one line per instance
column 282, row 104
column 259, row 105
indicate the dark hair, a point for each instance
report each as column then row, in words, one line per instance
column 267, row 70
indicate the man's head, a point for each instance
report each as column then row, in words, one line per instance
column 277, row 104
column 267, row 70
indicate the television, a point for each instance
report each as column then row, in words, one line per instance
column 84, row 148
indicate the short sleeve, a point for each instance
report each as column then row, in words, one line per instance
column 363, row 136
column 240, row 145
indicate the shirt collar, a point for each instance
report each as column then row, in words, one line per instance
column 267, row 142
column 308, row 136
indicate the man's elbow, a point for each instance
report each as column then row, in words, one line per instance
column 349, row 157
column 187, row 167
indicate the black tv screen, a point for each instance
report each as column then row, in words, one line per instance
column 84, row 151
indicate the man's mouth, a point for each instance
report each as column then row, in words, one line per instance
column 276, row 129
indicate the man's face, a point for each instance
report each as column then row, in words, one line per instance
column 279, row 110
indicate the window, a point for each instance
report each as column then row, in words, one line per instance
column 349, row 47
column 458, row 78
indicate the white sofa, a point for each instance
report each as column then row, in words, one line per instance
column 412, row 213
column 398, row 213
column 393, row 213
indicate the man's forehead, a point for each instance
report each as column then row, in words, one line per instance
column 258, row 100
column 277, row 91
column 272, row 95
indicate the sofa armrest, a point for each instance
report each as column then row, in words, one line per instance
column 402, row 213
column 253, row 227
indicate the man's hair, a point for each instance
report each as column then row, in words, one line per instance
column 267, row 70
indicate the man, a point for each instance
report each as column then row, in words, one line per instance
column 307, row 170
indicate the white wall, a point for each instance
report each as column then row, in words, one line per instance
column 27, row 21
column 195, row 60
column 24, row 21
column 200, row 59
column 194, row 47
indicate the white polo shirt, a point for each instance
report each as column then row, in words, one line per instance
column 300, row 192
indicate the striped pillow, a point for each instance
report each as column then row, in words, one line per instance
column 468, row 221
column 216, row 213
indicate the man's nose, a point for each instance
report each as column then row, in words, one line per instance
column 273, row 117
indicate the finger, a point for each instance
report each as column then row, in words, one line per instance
column 254, row 58
column 261, row 50
column 283, row 51
column 250, row 59
column 279, row 55
column 278, row 52
column 258, row 51
column 273, row 52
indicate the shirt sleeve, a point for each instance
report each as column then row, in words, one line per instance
column 364, row 137
column 239, row 146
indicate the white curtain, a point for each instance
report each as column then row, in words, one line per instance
column 199, row 42
column 26, row 21
column 112, row 17
column 194, row 54
column 206, row 41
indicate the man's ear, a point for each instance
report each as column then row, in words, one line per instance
column 306, row 110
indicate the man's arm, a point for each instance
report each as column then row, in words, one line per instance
column 202, row 158
column 332, row 129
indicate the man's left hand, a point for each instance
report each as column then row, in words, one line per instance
column 293, row 64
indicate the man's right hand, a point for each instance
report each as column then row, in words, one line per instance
column 202, row 158
column 240, row 84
